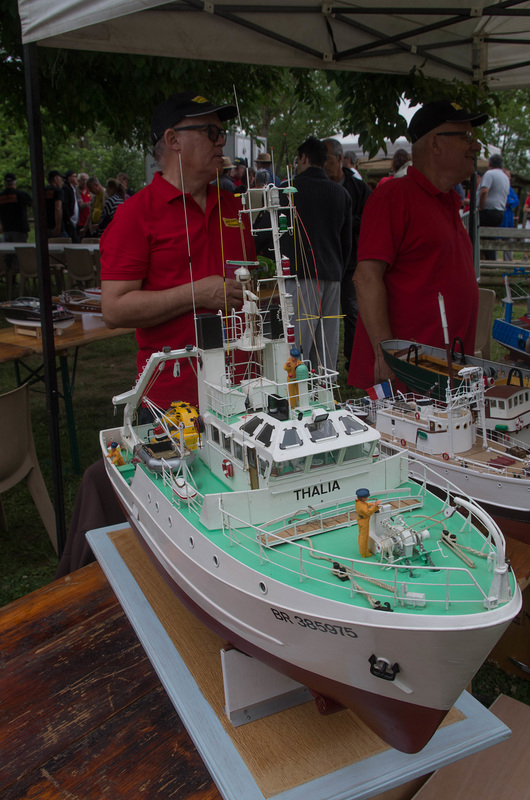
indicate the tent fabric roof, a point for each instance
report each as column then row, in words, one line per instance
column 472, row 40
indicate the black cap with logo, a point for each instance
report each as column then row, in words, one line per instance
column 432, row 115
column 185, row 104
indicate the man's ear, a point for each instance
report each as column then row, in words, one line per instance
column 172, row 139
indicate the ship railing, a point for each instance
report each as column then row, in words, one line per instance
column 228, row 399
column 341, row 514
column 510, row 471
column 504, row 439
column 397, row 584
column 193, row 503
column 501, row 471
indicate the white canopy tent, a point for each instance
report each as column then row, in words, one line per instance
column 471, row 41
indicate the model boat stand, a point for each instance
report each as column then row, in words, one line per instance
column 295, row 754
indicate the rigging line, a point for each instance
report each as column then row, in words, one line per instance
column 242, row 226
column 223, row 262
column 313, row 258
column 189, row 249
column 316, row 294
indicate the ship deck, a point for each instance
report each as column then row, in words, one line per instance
column 494, row 459
column 312, row 551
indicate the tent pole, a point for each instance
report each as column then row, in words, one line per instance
column 43, row 270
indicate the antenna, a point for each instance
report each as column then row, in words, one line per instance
column 240, row 123
column 189, row 248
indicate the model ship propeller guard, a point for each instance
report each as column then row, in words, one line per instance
column 253, row 525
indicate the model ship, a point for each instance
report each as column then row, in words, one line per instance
column 425, row 370
column 78, row 301
column 25, row 311
column 246, row 507
column 453, row 439
column 514, row 334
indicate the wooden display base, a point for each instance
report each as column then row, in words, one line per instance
column 28, row 330
column 33, row 330
column 293, row 755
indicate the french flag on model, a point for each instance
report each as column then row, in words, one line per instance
column 380, row 391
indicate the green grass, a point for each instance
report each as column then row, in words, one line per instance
column 27, row 558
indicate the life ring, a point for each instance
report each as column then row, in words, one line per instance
column 416, row 415
column 228, row 468
column 403, row 442
column 519, row 424
column 198, row 424
column 445, row 456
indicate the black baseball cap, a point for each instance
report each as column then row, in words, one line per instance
column 185, row 104
column 10, row 177
column 52, row 174
column 431, row 115
column 240, row 162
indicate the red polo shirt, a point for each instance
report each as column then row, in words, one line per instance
column 147, row 241
column 417, row 230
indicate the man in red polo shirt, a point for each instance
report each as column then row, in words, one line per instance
column 413, row 246
column 162, row 255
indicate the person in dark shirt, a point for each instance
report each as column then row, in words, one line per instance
column 319, row 254
column 54, row 197
column 358, row 191
column 14, row 210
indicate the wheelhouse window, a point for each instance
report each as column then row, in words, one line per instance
column 251, row 425
column 290, row 438
column 358, row 451
column 265, row 434
column 238, row 451
column 263, row 466
column 325, row 459
column 215, row 434
column 292, row 465
column 321, row 430
column 352, row 425
column 227, row 443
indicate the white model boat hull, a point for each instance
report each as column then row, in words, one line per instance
column 322, row 643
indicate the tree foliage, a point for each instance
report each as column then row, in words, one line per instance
column 510, row 130
column 84, row 90
column 371, row 102
column 300, row 103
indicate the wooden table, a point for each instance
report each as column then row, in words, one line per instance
column 83, row 714
column 53, row 247
column 17, row 347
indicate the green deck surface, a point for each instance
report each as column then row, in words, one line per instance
column 282, row 561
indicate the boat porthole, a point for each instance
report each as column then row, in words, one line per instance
column 263, row 587
column 148, row 497
column 499, row 485
column 216, row 561
column 192, row 542
column 169, row 522
column 447, row 472
column 156, row 508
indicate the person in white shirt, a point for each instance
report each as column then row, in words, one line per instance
column 492, row 197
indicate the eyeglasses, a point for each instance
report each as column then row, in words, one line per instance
column 214, row 132
column 469, row 136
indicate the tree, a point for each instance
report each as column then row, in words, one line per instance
column 81, row 90
column 510, row 130
column 300, row 103
column 371, row 102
